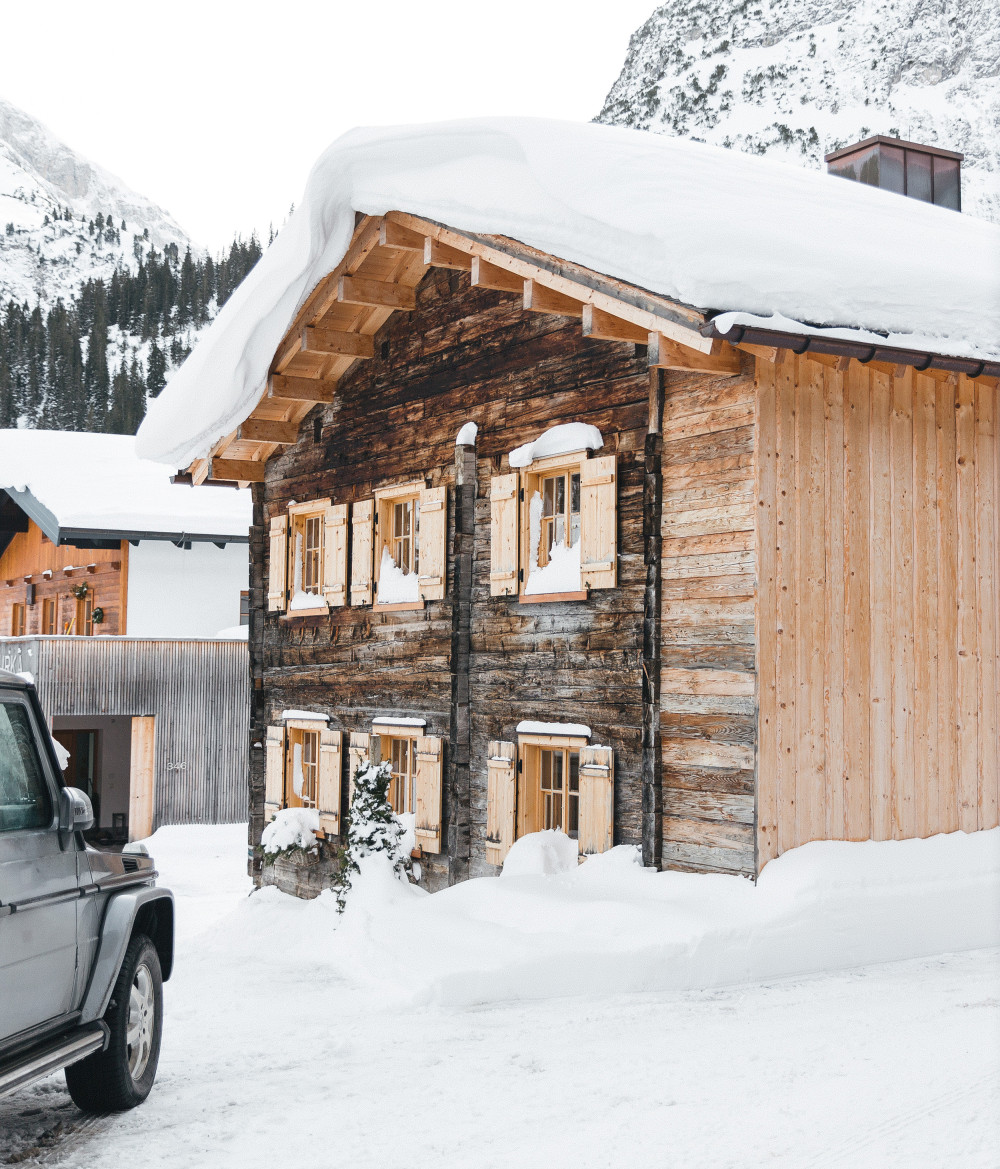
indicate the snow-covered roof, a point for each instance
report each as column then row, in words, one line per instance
column 704, row 226
column 94, row 485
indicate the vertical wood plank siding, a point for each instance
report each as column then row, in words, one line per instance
column 708, row 675
column 877, row 519
column 199, row 693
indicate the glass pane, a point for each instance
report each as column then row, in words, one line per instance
column 557, row 770
column 560, row 495
column 24, row 796
column 946, row 183
column 573, row 816
column 546, row 768
column 918, row 175
column 889, row 174
column 548, row 497
column 574, row 771
column 574, row 493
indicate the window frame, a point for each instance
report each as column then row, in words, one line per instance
column 295, row 731
column 84, row 615
column 530, row 797
column 50, row 606
column 387, row 499
column 18, row 618
column 388, row 734
column 530, row 480
column 299, row 515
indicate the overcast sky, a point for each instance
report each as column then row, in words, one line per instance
column 217, row 111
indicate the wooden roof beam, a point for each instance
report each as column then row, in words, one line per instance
column 238, row 470
column 395, row 235
column 263, row 430
column 443, row 256
column 666, row 354
column 375, row 293
column 316, row 339
column 487, row 275
column 539, row 299
column 300, row 389
column 602, row 326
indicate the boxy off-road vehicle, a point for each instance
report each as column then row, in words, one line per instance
column 86, row 937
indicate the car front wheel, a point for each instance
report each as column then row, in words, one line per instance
column 121, row 1076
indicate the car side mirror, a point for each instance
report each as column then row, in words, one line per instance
column 76, row 812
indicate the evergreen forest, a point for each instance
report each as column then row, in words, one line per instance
column 93, row 363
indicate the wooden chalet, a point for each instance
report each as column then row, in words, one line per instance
column 784, row 626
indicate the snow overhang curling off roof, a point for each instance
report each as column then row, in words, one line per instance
column 698, row 224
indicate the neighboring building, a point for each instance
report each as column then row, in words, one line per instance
column 716, row 584
column 115, row 585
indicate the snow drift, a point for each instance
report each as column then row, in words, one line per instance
column 704, row 225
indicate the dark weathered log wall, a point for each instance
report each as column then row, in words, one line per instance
column 708, row 669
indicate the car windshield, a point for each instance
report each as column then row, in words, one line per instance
column 24, row 797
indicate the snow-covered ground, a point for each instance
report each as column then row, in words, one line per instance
column 551, row 1020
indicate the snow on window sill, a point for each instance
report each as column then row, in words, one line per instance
column 398, row 606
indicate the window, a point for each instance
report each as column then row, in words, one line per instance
column 17, row 613
column 245, row 608
column 553, row 528
column 551, row 779
column 302, row 788
column 24, row 794
column 402, row 755
column 410, row 529
column 302, row 769
column 49, row 607
column 307, row 573
column 84, row 622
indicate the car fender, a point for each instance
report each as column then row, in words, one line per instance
column 122, row 912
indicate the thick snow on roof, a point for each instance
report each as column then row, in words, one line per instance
column 98, row 483
column 709, row 227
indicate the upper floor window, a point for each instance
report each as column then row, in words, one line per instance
column 50, row 606
column 83, row 624
column 308, row 558
column 553, row 532
column 17, row 619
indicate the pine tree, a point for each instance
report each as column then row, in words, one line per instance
column 373, row 827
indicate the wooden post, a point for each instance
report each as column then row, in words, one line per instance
column 652, row 514
column 457, row 809
column 255, row 643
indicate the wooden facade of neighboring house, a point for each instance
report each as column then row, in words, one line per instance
column 785, row 627
column 48, row 589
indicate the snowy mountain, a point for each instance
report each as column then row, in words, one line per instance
column 799, row 78
column 64, row 220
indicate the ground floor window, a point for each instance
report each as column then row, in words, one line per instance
column 401, row 752
column 302, row 772
column 557, row 773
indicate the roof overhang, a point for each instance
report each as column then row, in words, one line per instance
column 95, row 537
column 388, row 257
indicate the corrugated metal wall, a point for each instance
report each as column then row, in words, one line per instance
column 199, row 693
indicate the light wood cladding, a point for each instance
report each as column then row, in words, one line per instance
column 877, row 522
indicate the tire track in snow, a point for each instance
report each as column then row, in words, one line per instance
column 847, row 1150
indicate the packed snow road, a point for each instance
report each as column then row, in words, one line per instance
column 275, row 1052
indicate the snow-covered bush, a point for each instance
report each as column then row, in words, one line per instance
column 542, row 854
column 292, row 831
column 374, row 829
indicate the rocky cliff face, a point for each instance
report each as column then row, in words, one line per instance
column 799, row 78
column 64, row 220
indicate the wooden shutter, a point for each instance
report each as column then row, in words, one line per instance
column 598, row 523
column 501, row 800
column 362, row 520
column 328, row 796
column 503, row 535
column 427, row 783
column 335, row 555
column 597, row 799
column 274, row 772
column 277, row 581
column 358, row 752
column 433, row 560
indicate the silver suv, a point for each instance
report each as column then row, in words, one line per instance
column 86, row 937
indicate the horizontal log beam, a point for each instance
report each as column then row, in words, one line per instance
column 602, row 326
column 394, row 235
column 666, row 354
column 487, row 275
column 443, row 256
column 539, row 299
column 375, row 293
column 316, row 339
column 238, row 470
column 264, row 430
column 300, row 389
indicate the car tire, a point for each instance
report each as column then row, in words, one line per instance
column 121, row 1076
